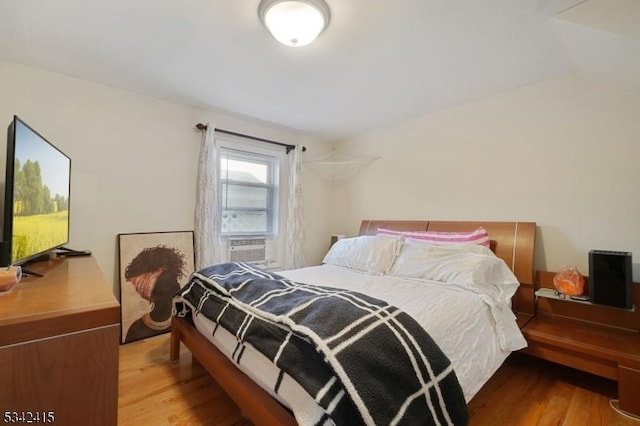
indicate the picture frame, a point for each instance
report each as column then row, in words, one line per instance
column 154, row 266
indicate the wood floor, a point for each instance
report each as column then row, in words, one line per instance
column 525, row 391
column 155, row 391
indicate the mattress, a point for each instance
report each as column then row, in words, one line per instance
column 475, row 336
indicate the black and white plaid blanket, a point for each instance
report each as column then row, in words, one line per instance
column 362, row 360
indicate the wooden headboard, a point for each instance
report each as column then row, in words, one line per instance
column 512, row 241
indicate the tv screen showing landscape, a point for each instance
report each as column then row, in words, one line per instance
column 40, row 188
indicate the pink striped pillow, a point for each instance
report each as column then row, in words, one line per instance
column 479, row 236
column 390, row 232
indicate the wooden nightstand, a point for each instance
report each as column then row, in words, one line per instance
column 59, row 345
column 598, row 339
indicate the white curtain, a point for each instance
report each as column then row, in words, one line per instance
column 207, row 214
column 295, row 257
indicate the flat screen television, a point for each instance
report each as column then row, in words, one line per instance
column 36, row 196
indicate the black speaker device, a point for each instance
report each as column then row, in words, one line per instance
column 610, row 278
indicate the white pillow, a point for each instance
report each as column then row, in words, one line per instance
column 473, row 267
column 368, row 253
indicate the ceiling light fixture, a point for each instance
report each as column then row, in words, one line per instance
column 294, row 22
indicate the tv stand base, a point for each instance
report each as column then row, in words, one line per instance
column 31, row 273
column 65, row 251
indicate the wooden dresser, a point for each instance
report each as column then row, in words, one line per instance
column 59, row 344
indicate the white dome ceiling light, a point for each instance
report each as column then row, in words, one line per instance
column 294, row 22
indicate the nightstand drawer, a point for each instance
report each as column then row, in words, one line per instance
column 577, row 360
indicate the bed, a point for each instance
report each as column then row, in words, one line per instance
column 513, row 242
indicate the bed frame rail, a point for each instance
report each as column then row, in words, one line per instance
column 255, row 403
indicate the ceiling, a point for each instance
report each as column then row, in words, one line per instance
column 379, row 61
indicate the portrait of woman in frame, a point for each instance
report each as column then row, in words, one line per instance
column 153, row 268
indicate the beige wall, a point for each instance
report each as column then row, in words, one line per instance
column 562, row 153
column 134, row 158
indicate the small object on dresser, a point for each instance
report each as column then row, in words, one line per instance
column 9, row 277
column 569, row 281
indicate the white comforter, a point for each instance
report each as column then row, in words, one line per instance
column 467, row 329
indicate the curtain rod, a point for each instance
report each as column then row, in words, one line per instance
column 289, row 147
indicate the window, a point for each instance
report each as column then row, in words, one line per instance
column 249, row 193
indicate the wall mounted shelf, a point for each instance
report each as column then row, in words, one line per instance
column 340, row 165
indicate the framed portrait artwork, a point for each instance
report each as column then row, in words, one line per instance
column 154, row 266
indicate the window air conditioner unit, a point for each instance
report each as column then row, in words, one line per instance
column 248, row 250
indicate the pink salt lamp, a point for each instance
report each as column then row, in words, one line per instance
column 569, row 281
